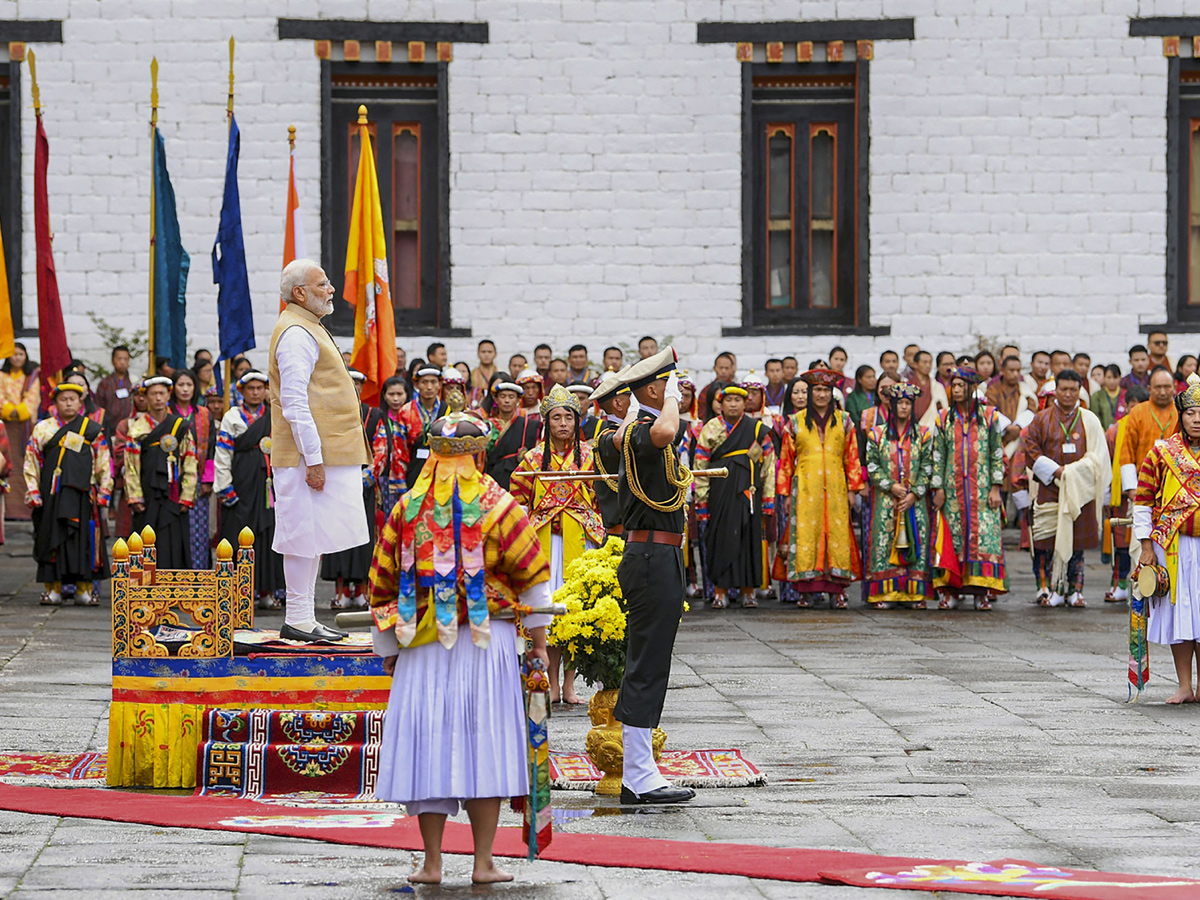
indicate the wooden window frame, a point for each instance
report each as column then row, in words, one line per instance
column 1183, row 126
column 440, row 233
column 799, row 319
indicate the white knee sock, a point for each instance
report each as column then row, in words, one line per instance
column 640, row 773
column 300, row 576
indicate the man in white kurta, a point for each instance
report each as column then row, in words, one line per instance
column 317, row 450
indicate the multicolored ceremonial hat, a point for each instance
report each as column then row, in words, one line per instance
column 150, row 382
column 823, row 378
column 685, row 379
column 965, row 373
column 451, row 375
column 902, row 390
column 69, row 386
column 753, row 381
column 458, row 433
column 1190, row 396
column 560, row 398
column 259, row 376
column 506, row 386
column 651, row 369
column 736, row 389
column 529, row 376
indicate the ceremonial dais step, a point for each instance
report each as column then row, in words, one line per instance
column 274, row 752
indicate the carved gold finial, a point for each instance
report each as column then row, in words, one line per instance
column 148, row 536
column 224, row 551
column 456, row 401
column 135, row 544
column 292, row 137
column 246, row 538
column 37, row 94
column 120, row 551
column 154, row 92
column 362, row 115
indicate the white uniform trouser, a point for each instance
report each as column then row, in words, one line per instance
column 300, row 577
column 640, row 773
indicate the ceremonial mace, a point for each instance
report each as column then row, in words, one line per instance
column 362, row 618
column 553, row 475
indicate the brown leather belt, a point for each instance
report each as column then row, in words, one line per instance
column 642, row 536
column 617, row 530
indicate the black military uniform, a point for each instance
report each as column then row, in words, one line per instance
column 606, row 459
column 651, row 493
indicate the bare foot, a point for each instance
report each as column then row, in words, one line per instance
column 573, row 700
column 427, row 874
column 1183, row 695
column 492, row 875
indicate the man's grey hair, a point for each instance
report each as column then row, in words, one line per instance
column 295, row 274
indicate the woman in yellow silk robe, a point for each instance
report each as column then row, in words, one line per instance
column 563, row 513
column 819, row 469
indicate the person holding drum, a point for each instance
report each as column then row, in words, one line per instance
column 1166, row 519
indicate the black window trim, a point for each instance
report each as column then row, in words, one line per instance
column 21, row 31
column 709, row 32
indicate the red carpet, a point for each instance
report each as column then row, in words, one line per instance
column 390, row 830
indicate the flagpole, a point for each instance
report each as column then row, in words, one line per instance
column 229, row 128
column 151, row 367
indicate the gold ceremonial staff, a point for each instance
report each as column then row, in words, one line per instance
column 544, row 475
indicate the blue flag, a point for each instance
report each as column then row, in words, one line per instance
column 171, row 264
column 235, row 316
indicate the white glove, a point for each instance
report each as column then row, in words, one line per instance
column 672, row 392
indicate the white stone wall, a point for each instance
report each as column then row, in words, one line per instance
column 1017, row 166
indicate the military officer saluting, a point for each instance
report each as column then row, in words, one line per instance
column 652, row 491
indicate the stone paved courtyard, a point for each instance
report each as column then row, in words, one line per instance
column 929, row 734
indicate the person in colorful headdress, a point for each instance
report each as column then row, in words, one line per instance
column 563, row 512
column 900, row 461
column 417, row 417
column 820, row 474
column 589, row 425
column 613, row 398
column 1067, row 455
column 1166, row 520
column 455, row 552
column 652, row 491
column 968, row 478
column 245, row 486
column 453, row 379
column 533, row 389
column 512, row 432
column 733, row 509
column 68, row 481
column 349, row 569
column 161, row 473
column 389, row 445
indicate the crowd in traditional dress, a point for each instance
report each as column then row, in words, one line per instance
column 900, row 475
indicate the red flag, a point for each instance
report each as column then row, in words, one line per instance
column 52, row 334
column 944, row 557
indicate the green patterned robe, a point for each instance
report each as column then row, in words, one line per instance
column 969, row 460
column 908, row 460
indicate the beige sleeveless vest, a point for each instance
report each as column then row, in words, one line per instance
column 331, row 397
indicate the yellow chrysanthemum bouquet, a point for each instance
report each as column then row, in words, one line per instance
column 592, row 633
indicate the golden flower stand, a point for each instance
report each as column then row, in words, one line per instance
column 605, row 746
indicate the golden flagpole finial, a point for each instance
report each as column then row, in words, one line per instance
column 362, row 115
column 292, row 138
column 37, row 95
column 229, row 109
column 154, row 92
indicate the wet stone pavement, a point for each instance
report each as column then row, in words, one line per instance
column 913, row 733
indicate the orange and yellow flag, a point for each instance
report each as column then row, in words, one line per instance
column 7, row 347
column 366, row 287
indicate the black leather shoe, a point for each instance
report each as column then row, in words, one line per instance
column 668, row 794
column 320, row 633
